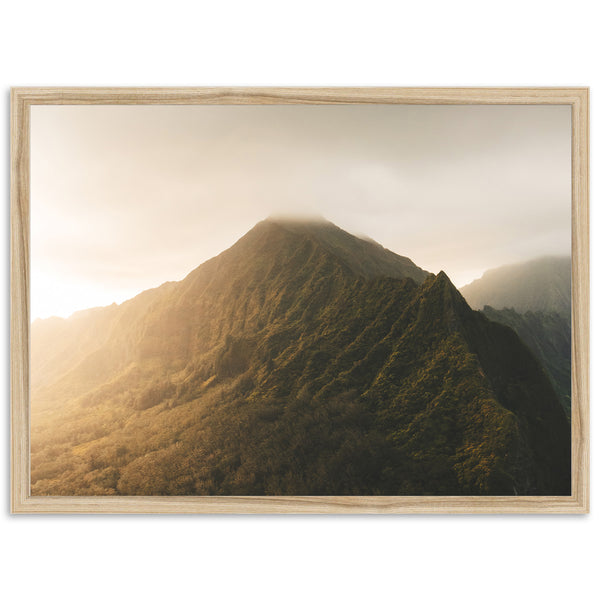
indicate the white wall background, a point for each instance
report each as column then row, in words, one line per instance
column 312, row 42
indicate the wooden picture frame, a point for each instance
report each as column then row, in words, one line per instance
column 22, row 99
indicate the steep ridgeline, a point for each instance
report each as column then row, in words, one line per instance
column 543, row 284
column 548, row 335
column 534, row 299
column 302, row 360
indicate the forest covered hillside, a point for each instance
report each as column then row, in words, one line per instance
column 534, row 299
column 548, row 335
column 302, row 360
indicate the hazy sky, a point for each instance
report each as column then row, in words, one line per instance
column 125, row 198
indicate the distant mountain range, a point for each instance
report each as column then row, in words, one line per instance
column 302, row 360
column 543, row 284
column 534, row 299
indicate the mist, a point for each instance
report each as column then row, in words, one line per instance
column 124, row 198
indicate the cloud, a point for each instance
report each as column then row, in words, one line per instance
column 126, row 197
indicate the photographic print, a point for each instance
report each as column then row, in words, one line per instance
column 284, row 300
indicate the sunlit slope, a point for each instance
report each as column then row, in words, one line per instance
column 252, row 282
column 302, row 360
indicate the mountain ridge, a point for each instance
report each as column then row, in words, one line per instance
column 270, row 236
column 534, row 299
column 293, row 363
column 548, row 335
column 539, row 284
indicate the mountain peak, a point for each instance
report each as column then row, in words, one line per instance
column 540, row 284
column 290, row 218
column 306, row 224
column 441, row 304
column 283, row 332
column 443, row 278
column 365, row 258
column 440, row 281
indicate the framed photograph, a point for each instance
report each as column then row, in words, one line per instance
column 299, row 300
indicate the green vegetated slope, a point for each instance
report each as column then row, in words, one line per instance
column 543, row 284
column 302, row 360
column 548, row 335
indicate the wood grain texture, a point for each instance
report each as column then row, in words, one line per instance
column 21, row 500
column 276, row 95
column 580, row 286
column 19, row 300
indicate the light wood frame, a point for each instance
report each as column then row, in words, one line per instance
column 21, row 500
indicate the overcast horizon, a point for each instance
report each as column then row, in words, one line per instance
column 124, row 198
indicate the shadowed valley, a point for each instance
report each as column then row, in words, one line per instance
column 534, row 299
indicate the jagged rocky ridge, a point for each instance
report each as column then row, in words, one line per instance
column 302, row 360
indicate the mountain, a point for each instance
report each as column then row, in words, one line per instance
column 165, row 322
column 534, row 299
column 548, row 335
column 543, row 284
column 302, row 360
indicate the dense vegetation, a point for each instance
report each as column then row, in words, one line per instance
column 300, row 361
column 548, row 335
